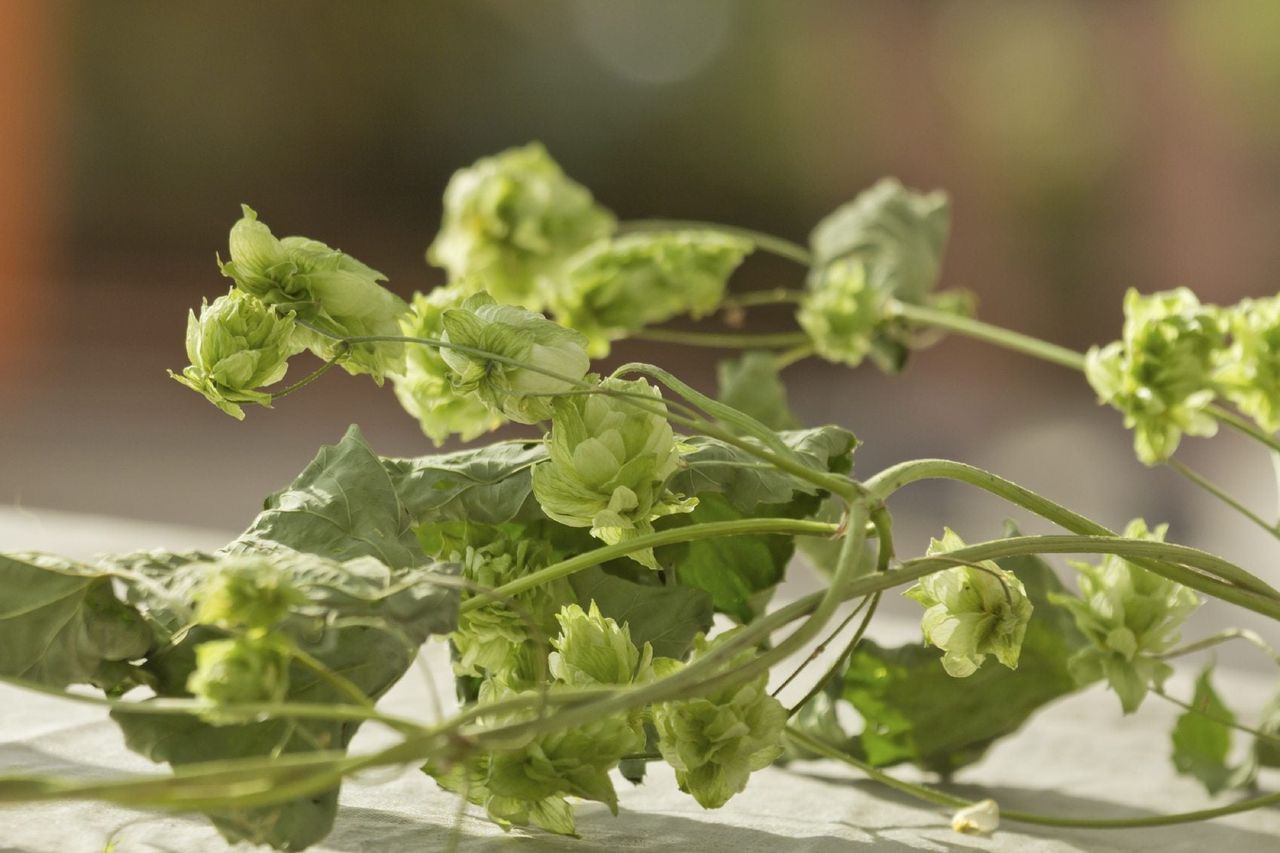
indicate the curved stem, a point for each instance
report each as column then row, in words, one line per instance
column 724, row 340
column 1244, row 426
column 979, row 330
column 755, row 298
column 1251, row 637
column 774, row 245
column 1249, row 591
column 1214, row 718
column 690, row 533
column 343, row 349
column 933, row 795
column 1208, row 486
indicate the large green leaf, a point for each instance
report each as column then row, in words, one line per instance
column 1202, row 740
column 61, row 623
column 713, row 466
column 487, row 485
column 668, row 617
column 343, row 505
column 751, row 385
column 913, row 711
column 361, row 619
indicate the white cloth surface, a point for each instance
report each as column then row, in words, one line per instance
column 1077, row 758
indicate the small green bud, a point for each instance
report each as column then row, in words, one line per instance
column 246, row 592
column 242, row 670
column 511, row 219
column 610, row 461
column 322, row 286
column 519, row 392
column 236, row 346
column 1130, row 616
column 425, row 389
column 972, row 611
column 592, row 650
column 503, row 639
column 1160, row 374
column 716, row 742
column 1249, row 372
column 615, row 287
column 842, row 312
column 882, row 248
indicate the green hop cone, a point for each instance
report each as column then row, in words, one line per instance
column 618, row 286
column 882, row 248
column 972, row 611
column 246, row 592
column 510, row 220
column 1130, row 616
column 236, row 346
column 518, row 391
column 610, row 461
column 1160, row 374
column 322, row 286
column 843, row 313
column 425, row 389
column 241, row 670
column 716, row 742
column 592, row 650
column 504, row 639
column 527, row 785
column 1249, row 371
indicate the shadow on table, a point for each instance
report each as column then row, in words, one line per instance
column 370, row 830
column 1192, row 837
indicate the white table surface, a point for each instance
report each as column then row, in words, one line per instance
column 1078, row 757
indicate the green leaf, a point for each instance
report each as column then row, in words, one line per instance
column 713, row 466
column 487, row 485
column 343, row 505
column 668, row 617
column 60, row 622
column 361, row 619
column 1202, row 739
column 739, row 571
column 913, row 711
column 1267, row 752
column 751, row 385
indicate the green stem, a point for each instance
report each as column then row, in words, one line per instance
column 932, row 795
column 1251, row 637
column 1214, row 718
column 786, row 358
column 779, row 246
column 755, row 298
column 1244, row 426
column 1208, row 486
column 343, row 348
column 690, row 533
column 724, row 340
column 338, row 682
column 979, row 330
column 1249, row 591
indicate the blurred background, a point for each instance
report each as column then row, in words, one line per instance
column 1088, row 147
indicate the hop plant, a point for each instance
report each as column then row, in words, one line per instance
column 616, row 287
column 883, row 247
column 425, row 389
column 1160, row 374
column 972, row 611
column 240, row 670
column 1130, row 616
column 527, row 785
column 592, row 650
column 842, row 312
column 511, row 219
column 610, row 460
column 1249, row 371
column 322, row 286
column 517, row 391
column 504, row 639
column 716, row 742
column 246, row 592
column 236, row 346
